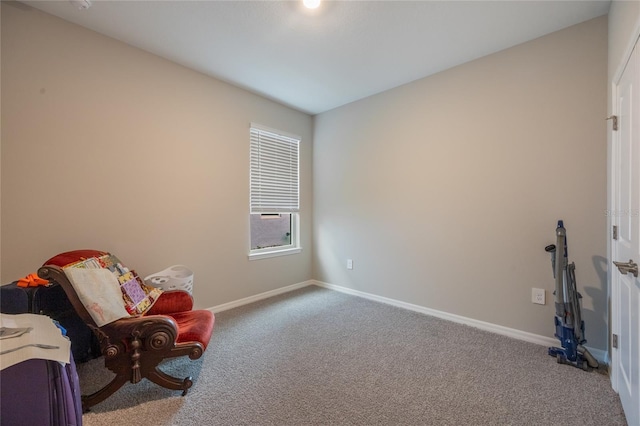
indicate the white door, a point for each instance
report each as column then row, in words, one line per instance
column 625, row 215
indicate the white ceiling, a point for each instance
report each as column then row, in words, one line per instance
column 318, row 60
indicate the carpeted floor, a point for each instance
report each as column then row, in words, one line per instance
column 320, row 357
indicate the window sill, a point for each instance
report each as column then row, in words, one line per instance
column 274, row 253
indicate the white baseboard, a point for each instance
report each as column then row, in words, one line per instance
column 261, row 296
column 599, row 354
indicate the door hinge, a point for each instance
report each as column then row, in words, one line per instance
column 615, row 232
column 614, row 341
column 614, row 120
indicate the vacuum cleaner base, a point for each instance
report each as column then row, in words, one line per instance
column 562, row 357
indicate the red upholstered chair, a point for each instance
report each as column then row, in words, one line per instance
column 134, row 346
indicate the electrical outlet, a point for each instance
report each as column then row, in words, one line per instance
column 537, row 296
column 349, row 263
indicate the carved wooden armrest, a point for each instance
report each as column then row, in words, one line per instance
column 124, row 340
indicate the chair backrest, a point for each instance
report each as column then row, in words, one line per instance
column 52, row 271
column 128, row 295
column 56, row 275
column 69, row 257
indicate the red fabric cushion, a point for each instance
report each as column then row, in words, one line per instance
column 64, row 259
column 194, row 326
column 171, row 301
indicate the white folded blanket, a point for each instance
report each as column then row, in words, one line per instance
column 100, row 293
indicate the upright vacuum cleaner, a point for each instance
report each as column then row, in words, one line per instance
column 568, row 319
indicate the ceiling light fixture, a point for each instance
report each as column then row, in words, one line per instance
column 81, row 4
column 311, row 4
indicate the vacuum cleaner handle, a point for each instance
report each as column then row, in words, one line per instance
column 560, row 268
column 551, row 249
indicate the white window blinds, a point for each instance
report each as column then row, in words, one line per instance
column 274, row 172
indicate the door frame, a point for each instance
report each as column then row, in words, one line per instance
column 614, row 327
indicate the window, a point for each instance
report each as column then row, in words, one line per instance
column 274, row 193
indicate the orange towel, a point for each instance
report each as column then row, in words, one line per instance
column 32, row 280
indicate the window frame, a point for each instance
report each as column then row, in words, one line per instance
column 288, row 249
column 283, row 250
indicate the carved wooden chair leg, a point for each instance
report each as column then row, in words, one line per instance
column 160, row 378
column 90, row 400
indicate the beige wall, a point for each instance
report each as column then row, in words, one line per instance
column 105, row 146
column 624, row 19
column 0, row 147
column 442, row 191
column 445, row 191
